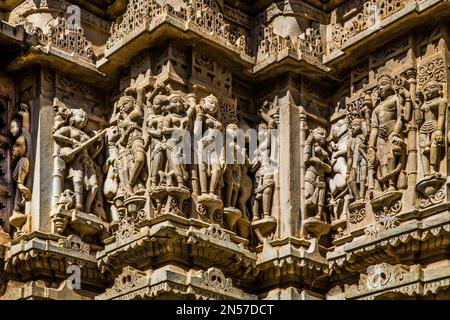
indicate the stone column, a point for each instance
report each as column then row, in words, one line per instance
column 43, row 167
column 289, row 166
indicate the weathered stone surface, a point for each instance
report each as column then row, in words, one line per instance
column 215, row 149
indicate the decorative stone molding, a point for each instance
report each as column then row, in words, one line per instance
column 168, row 281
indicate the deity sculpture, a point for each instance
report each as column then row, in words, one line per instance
column 387, row 148
column 233, row 170
column 211, row 154
column 339, row 139
column 176, row 121
column 155, row 122
column 431, row 118
column 317, row 165
column 356, row 176
column 21, row 152
column 431, row 132
column 131, row 142
column 386, row 153
column 110, row 168
column 232, row 175
column 263, row 222
column 77, row 150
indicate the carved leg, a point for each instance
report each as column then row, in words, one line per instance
column 228, row 188
column 156, row 166
column 78, row 192
column 256, row 209
column 353, row 184
column 434, row 158
column 214, row 179
column 267, row 200
column 139, row 161
column 203, row 178
column 90, row 197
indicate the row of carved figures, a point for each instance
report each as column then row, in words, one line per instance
column 367, row 154
column 371, row 145
column 148, row 169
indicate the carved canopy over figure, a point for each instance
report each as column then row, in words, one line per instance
column 387, row 149
column 77, row 150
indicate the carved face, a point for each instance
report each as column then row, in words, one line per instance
column 15, row 128
column 211, row 104
column 386, row 88
column 79, row 119
column 176, row 104
column 319, row 135
column 356, row 126
column 158, row 104
column 127, row 104
column 432, row 90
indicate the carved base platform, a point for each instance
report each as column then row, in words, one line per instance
column 209, row 206
column 387, row 203
column 431, row 190
column 339, row 228
column 169, row 199
column 18, row 219
column 316, row 227
column 48, row 256
column 134, row 204
column 264, row 227
column 243, row 228
column 231, row 216
column 174, row 239
column 82, row 223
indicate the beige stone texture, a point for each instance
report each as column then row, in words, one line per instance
column 218, row 149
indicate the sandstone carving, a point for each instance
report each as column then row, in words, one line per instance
column 217, row 149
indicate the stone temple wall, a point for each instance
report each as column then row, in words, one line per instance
column 215, row 149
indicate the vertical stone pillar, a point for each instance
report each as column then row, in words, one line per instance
column 303, row 129
column 43, row 167
column 289, row 166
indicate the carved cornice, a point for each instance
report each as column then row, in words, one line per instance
column 405, row 240
column 166, row 239
column 170, row 280
column 28, row 257
column 384, row 279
